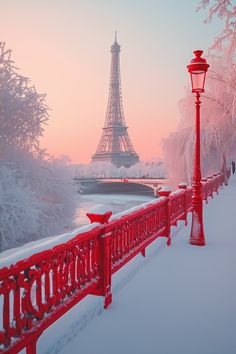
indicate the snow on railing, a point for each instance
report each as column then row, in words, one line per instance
column 36, row 291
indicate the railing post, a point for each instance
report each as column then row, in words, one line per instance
column 105, row 252
column 226, row 176
column 219, row 180
column 204, row 189
column 210, row 179
column 183, row 186
column 98, row 214
column 166, row 193
column 31, row 348
column 215, row 184
column 143, row 252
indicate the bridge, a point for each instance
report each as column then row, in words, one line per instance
column 149, row 186
column 37, row 290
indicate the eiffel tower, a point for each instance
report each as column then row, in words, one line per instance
column 115, row 145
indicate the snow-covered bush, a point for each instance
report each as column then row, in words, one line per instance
column 37, row 199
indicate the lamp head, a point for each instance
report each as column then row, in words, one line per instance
column 197, row 69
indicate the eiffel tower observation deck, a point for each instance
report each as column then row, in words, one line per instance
column 115, row 145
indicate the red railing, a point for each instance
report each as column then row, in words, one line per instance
column 38, row 290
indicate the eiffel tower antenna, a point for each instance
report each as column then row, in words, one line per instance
column 115, row 145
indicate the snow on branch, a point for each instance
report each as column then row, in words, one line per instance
column 220, row 8
column 227, row 12
column 23, row 112
column 37, row 198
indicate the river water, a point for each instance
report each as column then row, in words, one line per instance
column 114, row 202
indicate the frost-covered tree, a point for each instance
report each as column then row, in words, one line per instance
column 23, row 111
column 218, row 112
column 36, row 196
column 225, row 10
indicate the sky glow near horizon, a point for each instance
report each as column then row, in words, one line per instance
column 64, row 48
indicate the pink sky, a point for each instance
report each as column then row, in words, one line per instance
column 64, row 48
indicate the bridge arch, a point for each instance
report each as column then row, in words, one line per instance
column 120, row 185
column 124, row 188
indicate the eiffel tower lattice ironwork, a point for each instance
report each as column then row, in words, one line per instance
column 115, row 145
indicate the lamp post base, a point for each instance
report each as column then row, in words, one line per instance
column 197, row 237
column 197, row 242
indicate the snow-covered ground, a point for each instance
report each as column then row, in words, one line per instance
column 177, row 300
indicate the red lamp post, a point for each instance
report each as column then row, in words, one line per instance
column 197, row 69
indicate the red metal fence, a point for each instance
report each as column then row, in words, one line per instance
column 38, row 290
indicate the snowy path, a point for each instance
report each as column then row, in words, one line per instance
column 178, row 300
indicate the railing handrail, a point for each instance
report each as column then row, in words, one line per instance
column 35, row 258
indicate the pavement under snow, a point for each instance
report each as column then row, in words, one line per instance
column 178, row 300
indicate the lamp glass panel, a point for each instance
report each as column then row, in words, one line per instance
column 198, row 80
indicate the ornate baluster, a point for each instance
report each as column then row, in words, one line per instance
column 85, row 263
column 96, row 256
column 72, row 270
column 39, row 290
column 5, row 290
column 90, row 259
column 78, row 269
column 105, row 249
column 55, row 278
column 47, row 286
column 16, row 309
column 65, row 275
column 168, row 209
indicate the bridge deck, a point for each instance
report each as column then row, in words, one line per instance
column 180, row 299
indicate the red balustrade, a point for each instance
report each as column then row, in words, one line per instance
column 38, row 290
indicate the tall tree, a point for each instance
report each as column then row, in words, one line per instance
column 37, row 198
column 225, row 10
column 218, row 118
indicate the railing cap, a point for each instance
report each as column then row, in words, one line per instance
column 164, row 192
column 183, row 185
column 101, row 218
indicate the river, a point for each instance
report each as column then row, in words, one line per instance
column 114, row 202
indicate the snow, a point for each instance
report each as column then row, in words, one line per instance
column 135, row 208
column 183, row 184
column 99, row 209
column 165, row 189
column 116, row 202
column 178, row 300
